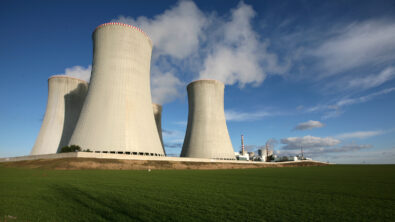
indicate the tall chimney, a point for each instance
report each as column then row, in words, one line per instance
column 242, row 144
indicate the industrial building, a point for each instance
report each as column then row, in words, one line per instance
column 265, row 153
column 207, row 134
column 117, row 115
column 66, row 96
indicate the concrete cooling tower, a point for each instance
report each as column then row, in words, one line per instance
column 158, row 119
column 207, row 134
column 117, row 115
column 66, row 96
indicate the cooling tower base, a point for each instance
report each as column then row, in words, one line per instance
column 82, row 156
column 129, row 153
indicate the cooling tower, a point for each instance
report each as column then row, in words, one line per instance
column 207, row 135
column 117, row 115
column 66, row 96
column 158, row 119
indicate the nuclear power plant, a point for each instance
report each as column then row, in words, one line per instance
column 66, row 96
column 207, row 134
column 115, row 114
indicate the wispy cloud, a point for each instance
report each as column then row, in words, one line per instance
column 378, row 156
column 362, row 99
column 318, row 152
column 172, row 139
column 359, row 134
column 344, row 57
column 373, row 80
column 295, row 143
column 357, row 45
column 318, row 147
column 172, row 134
column 335, row 109
column 173, row 145
column 181, row 123
column 309, row 125
column 232, row 115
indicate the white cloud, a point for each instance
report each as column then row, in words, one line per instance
column 319, row 152
column 309, row 125
column 181, row 123
column 165, row 87
column 232, row 115
column 379, row 156
column 295, row 143
column 356, row 45
column 175, row 32
column 362, row 99
column 79, row 72
column 334, row 109
column 320, row 148
column 373, row 80
column 236, row 55
column 359, row 134
column 341, row 56
column 191, row 44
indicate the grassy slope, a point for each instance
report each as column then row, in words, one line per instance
column 328, row 193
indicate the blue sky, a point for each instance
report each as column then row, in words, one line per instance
column 320, row 74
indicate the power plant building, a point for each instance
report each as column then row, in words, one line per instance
column 207, row 134
column 66, row 96
column 117, row 116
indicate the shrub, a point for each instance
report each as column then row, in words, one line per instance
column 71, row 148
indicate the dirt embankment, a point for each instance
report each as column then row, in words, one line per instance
column 114, row 164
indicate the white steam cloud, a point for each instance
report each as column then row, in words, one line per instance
column 191, row 44
column 175, row 32
column 165, row 87
column 79, row 72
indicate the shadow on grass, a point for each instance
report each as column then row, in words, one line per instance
column 86, row 206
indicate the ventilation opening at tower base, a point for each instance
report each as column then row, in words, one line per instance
column 127, row 153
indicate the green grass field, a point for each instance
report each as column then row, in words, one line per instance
column 327, row 193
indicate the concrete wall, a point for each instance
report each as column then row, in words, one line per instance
column 207, row 134
column 158, row 119
column 66, row 96
column 117, row 114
